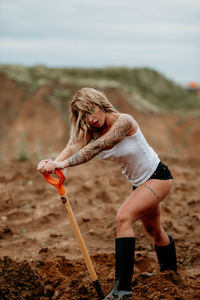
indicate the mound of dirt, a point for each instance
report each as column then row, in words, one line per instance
column 18, row 280
column 60, row 278
column 45, row 131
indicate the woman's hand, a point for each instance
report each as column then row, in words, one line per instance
column 42, row 164
column 49, row 166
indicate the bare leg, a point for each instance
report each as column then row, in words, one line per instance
column 142, row 202
column 164, row 244
column 153, row 226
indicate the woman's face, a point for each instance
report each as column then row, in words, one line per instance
column 96, row 118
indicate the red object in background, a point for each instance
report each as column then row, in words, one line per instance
column 193, row 85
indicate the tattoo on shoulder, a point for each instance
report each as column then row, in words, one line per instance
column 117, row 132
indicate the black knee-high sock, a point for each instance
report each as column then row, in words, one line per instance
column 167, row 256
column 124, row 263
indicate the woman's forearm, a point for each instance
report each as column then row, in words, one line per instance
column 82, row 156
column 67, row 152
column 72, row 148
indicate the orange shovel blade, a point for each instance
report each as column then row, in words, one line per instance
column 58, row 183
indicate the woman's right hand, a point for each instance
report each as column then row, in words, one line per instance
column 42, row 164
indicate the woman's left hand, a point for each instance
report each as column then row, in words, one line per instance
column 51, row 166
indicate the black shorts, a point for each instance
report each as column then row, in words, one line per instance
column 162, row 173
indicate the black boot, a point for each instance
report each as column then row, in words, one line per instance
column 124, row 261
column 167, row 256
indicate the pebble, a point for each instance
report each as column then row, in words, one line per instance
column 48, row 290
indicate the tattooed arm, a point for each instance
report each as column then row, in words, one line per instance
column 117, row 132
column 49, row 165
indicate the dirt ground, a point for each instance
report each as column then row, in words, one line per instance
column 39, row 255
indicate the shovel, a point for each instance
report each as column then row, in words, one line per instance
column 58, row 183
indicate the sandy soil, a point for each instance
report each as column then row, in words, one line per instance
column 39, row 256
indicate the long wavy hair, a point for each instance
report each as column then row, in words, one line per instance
column 84, row 101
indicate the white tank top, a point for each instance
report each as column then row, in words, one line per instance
column 137, row 159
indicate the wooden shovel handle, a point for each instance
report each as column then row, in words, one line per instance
column 79, row 238
column 58, row 183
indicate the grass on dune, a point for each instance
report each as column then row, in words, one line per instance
column 145, row 87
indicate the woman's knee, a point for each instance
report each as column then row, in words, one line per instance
column 123, row 219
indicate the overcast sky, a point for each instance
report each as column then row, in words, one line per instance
column 160, row 34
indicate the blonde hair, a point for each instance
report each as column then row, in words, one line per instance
column 84, row 101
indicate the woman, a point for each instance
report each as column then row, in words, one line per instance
column 98, row 128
